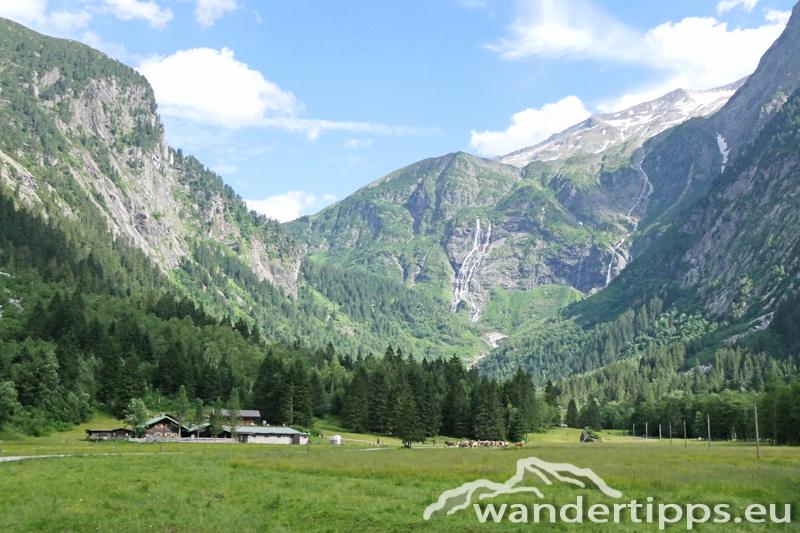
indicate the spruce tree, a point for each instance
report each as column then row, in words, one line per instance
column 516, row 429
column 234, row 411
column 216, row 421
column 296, row 396
column 182, row 407
column 378, row 401
column 430, row 410
column 356, row 402
column 572, row 414
column 593, row 418
column 199, row 412
column 129, row 384
column 267, row 389
column 406, row 423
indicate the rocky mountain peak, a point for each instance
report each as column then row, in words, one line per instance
column 601, row 132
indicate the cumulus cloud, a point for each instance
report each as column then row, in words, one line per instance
column 694, row 53
column 286, row 207
column 134, row 9
column 566, row 29
column 698, row 52
column 726, row 5
column 33, row 13
column 208, row 11
column 211, row 87
column 530, row 127
column 577, row 30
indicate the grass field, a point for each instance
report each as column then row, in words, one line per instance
column 350, row 488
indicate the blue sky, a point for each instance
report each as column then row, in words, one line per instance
column 297, row 104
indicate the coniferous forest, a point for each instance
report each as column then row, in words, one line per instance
column 90, row 320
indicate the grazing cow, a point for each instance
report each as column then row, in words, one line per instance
column 463, row 444
column 450, row 443
column 475, row 443
column 520, row 444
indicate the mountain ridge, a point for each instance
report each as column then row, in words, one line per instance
column 646, row 119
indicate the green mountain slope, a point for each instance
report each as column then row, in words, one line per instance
column 82, row 145
column 720, row 261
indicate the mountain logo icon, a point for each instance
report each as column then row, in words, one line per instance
column 460, row 498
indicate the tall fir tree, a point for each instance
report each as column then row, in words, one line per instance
column 571, row 418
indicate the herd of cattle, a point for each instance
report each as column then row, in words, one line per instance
column 480, row 444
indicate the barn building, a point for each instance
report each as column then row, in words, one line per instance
column 109, row 434
column 270, row 435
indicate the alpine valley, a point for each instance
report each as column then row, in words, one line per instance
column 638, row 253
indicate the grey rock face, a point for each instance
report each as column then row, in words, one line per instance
column 145, row 198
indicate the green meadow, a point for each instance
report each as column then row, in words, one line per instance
column 197, row 488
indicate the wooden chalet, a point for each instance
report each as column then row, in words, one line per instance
column 162, row 427
column 109, row 434
column 247, row 417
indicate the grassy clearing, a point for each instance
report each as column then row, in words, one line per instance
column 325, row 488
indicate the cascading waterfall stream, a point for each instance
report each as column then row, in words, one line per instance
column 647, row 190
column 471, row 263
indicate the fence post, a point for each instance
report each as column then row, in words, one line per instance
column 659, row 432
column 684, row 434
column 646, row 431
column 758, row 445
column 708, row 418
column 670, row 432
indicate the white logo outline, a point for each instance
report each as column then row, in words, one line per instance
column 534, row 465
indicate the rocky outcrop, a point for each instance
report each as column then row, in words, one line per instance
column 127, row 172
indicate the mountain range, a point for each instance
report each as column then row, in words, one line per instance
column 679, row 207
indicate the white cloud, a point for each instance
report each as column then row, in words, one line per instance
column 357, row 143
column 208, row 11
column 224, row 168
column 259, row 20
column 566, row 28
column 33, row 13
column 286, row 207
column 704, row 49
column 726, row 5
column 134, row 9
column 211, row 87
column 695, row 53
column 115, row 50
column 530, row 127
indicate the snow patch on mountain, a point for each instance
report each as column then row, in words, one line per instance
column 640, row 122
column 724, row 150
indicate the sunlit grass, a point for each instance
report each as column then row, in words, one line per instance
column 348, row 488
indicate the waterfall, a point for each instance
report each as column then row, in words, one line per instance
column 647, row 190
column 469, row 266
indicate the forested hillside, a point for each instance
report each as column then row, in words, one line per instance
column 83, row 147
column 90, row 322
